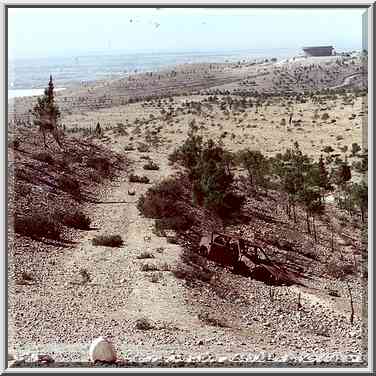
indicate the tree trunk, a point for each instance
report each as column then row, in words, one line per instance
column 332, row 242
column 308, row 226
column 294, row 212
column 289, row 208
column 314, row 228
column 351, row 304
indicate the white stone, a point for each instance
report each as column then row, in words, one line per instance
column 101, row 349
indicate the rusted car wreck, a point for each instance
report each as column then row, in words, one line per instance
column 232, row 251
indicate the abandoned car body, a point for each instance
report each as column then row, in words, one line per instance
column 228, row 250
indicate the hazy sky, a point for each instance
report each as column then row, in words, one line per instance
column 60, row 32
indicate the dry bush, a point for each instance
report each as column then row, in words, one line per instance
column 76, row 219
column 22, row 190
column 156, row 277
column 148, row 268
column 192, row 273
column 128, row 147
column 340, row 269
column 209, row 319
column 14, row 144
column 108, row 240
column 138, row 179
column 152, row 166
column 160, row 200
column 37, row 226
column 69, row 185
column 176, row 223
column 145, row 255
column 165, row 267
column 143, row 148
column 95, row 177
column 44, row 157
column 143, row 324
column 100, row 164
column 172, row 239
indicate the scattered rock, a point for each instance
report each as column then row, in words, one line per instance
column 42, row 358
column 102, row 350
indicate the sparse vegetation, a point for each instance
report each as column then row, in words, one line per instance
column 108, row 240
column 156, row 277
column 145, row 255
column 44, row 157
column 138, row 179
column 37, row 226
column 100, row 164
column 143, row 324
column 148, row 267
column 76, row 219
column 152, row 166
column 69, row 185
column 143, row 148
column 210, row 319
column 160, row 201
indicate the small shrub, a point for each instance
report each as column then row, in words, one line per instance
column 172, row 239
column 338, row 269
column 143, row 148
column 23, row 189
column 100, row 164
column 325, row 116
column 156, row 277
column 148, row 268
column 77, row 220
column 160, row 200
column 84, row 275
column 192, row 273
column 145, row 255
column 143, row 324
column 108, row 240
column 44, row 157
column 212, row 320
column 14, row 144
column 165, row 267
column 139, row 179
column 152, row 166
column 177, row 223
column 37, row 226
column 69, row 185
column 94, row 176
column 312, row 254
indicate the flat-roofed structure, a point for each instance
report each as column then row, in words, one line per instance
column 318, row 50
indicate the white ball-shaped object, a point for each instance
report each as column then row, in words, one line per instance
column 101, row 349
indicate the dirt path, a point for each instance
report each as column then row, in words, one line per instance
column 68, row 311
column 155, row 295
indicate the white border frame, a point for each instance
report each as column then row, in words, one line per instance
column 276, row 3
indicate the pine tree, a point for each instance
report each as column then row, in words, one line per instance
column 360, row 197
column 46, row 103
column 324, row 181
column 46, row 113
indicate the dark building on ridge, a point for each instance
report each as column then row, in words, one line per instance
column 318, row 51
